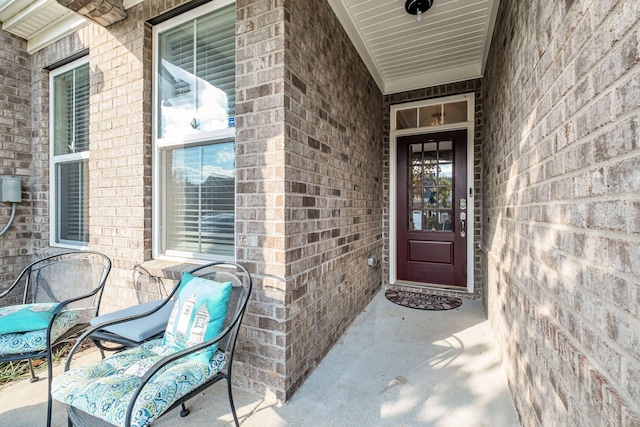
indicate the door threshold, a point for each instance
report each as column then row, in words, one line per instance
column 421, row 285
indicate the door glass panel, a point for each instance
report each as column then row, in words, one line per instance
column 416, row 200
column 444, row 220
column 431, row 197
column 431, row 186
column 415, row 219
column 431, row 151
column 446, row 150
column 416, row 165
column 445, row 198
column 430, row 220
column 446, row 172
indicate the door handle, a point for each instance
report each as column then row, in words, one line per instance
column 463, row 219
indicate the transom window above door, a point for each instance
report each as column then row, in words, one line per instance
column 432, row 115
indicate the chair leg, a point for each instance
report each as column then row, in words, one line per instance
column 184, row 411
column 97, row 344
column 33, row 373
column 49, row 379
column 233, row 407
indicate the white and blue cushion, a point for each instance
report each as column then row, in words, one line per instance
column 198, row 314
column 23, row 329
column 103, row 389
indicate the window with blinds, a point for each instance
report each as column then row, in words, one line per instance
column 195, row 149
column 196, row 75
column 70, row 153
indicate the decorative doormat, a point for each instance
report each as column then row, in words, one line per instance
column 422, row 301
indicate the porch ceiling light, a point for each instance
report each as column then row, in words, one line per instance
column 417, row 7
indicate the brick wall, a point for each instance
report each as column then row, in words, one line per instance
column 309, row 186
column 260, row 193
column 308, row 177
column 433, row 92
column 561, row 168
column 120, row 146
column 120, row 175
column 15, row 155
column 333, row 180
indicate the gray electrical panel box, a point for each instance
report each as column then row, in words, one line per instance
column 10, row 189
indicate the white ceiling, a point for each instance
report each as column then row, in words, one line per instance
column 449, row 45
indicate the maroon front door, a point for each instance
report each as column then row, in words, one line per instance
column 432, row 208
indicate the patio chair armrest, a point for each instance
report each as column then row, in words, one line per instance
column 186, row 352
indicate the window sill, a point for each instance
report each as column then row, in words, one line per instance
column 166, row 269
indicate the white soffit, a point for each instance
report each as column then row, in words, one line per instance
column 42, row 22
column 450, row 44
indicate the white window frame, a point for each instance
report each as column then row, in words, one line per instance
column 54, row 161
column 393, row 199
column 161, row 145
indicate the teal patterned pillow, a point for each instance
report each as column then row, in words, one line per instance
column 26, row 317
column 198, row 314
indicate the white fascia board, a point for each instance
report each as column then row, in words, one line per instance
column 128, row 4
column 493, row 13
column 11, row 7
column 56, row 31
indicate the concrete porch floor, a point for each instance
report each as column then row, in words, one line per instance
column 394, row 366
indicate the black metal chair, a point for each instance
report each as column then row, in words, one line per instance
column 152, row 371
column 52, row 299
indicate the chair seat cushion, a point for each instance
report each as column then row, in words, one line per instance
column 29, row 342
column 138, row 329
column 25, row 317
column 103, row 389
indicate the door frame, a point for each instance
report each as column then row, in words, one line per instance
column 393, row 159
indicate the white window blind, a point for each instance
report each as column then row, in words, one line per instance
column 73, row 201
column 200, row 199
column 71, row 111
column 195, row 98
column 70, row 145
column 197, row 75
